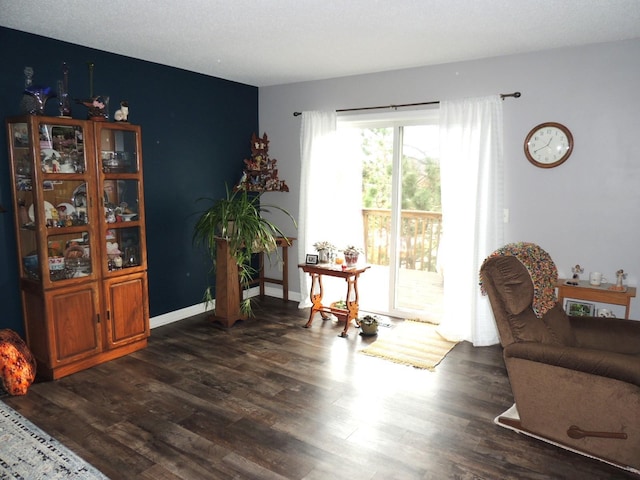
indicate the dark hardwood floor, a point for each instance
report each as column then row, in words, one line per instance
column 269, row 399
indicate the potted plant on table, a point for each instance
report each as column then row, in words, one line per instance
column 232, row 229
column 325, row 250
column 351, row 254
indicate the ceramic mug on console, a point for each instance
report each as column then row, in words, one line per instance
column 596, row 278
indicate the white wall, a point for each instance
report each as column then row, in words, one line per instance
column 584, row 211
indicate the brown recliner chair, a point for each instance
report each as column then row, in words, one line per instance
column 575, row 380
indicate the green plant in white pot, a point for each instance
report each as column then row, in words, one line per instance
column 237, row 221
column 326, row 250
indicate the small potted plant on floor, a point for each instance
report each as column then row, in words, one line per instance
column 368, row 325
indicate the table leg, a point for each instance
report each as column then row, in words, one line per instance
column 316, row 297
column 285, row 272
column 261, row 275
column 352, row 303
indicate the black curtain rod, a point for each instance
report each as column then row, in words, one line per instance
column 436, row 102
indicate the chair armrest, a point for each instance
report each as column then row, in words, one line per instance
column 610, row 334
column 596, row 362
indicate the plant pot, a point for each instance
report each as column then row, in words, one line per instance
column 338, row 307
column 323, row 256
column 368, row 326
column 369, row 329
column 351, row 259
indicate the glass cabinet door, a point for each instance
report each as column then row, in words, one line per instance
column 22, row 167
column 52, row 194
column 119, row 149
column 61, row 148
column 122, row 218
column 121, row 179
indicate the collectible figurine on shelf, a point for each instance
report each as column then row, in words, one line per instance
column 98, row 108
column 122, row 115
column 619, row 286
column 260, row 172
column 98, row 105
column 575, row 280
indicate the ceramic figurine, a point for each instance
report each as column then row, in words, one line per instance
column 575, row 280
column 620, row 276
column 98, row 108
column 122, row 115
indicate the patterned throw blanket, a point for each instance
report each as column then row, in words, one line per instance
column 541, row 268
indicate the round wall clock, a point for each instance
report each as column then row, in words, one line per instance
column 548, row 145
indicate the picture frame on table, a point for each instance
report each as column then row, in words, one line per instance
column 311, row 259
column 579, row 309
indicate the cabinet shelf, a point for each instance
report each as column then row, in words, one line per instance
column 130, row 223
column 75, row 229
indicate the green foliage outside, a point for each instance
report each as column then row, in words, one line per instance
column 419, row 234
column 420, row 174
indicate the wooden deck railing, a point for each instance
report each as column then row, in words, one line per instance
column 420, row 234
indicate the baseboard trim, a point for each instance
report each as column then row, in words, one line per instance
column 197, row 309
column 177, row 315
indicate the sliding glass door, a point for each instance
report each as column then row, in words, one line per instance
column 401, row 211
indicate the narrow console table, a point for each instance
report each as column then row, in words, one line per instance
column 585, row 291
column 350, row 275
column 284, row 243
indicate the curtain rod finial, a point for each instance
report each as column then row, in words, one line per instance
column 514, row 95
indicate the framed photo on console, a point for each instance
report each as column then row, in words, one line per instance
column 311, row 259
column 579, row 309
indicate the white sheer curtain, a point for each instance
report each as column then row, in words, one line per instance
column 317, row 156
column 330, row 195
column 471, row 169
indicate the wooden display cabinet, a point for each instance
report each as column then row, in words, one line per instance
column 79, row 213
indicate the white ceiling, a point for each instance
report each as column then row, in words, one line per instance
column 273, row 42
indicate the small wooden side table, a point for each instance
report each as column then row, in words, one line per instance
column 585, row 291
column 284, row 243
column 350, row 274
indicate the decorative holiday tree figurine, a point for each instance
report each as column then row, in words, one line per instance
column 260, row 172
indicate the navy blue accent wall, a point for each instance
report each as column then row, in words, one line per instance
column 196, row 131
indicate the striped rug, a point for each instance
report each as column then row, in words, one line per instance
column 27, row 452
column 412, row 343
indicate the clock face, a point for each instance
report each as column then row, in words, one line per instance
column 548, row 145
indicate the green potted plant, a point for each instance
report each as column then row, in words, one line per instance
column 235, row 224
column 325, row 250
column 368, row 325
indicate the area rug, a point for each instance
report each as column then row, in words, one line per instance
column 26, row 452
column 511, row 419
column 412, row 343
